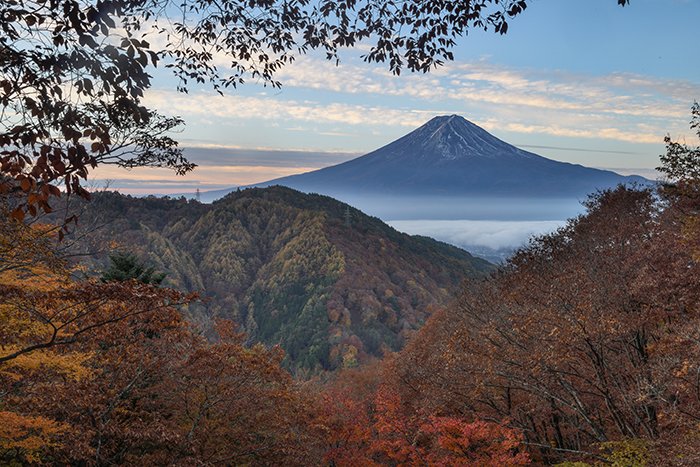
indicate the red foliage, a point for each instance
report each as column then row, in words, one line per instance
column 371, row 425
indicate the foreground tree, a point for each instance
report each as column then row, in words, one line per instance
column 50, row 310
column 586, row 341
column 73, row 72
column 110, row 373
column 681, row 163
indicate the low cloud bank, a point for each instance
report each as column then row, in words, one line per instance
column 495, row 235
column 438, row 208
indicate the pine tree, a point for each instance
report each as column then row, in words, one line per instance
column 126, row 266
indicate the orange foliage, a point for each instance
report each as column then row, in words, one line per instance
column 344, row 416
column 367, row 423
column 479, row 443
column 414, row 440
column 26, row 436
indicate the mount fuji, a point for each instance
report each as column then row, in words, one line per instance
column 450, row 156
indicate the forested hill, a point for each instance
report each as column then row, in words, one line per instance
column 330, row 284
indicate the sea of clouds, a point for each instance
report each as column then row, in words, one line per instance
column 494, row 235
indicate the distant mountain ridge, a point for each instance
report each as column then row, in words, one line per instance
column 450, row 156
column 328, row 283
column 450, row 168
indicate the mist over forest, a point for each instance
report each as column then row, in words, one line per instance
column 490, row 239
column 407, row 207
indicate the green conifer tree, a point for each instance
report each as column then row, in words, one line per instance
column 126, row 266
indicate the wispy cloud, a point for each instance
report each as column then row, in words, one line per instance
column 205, row 177
column 562, row 148
column 618, row 93
column 620, row 107
column 268, row 108
column 218, row 156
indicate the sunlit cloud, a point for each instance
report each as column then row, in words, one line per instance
column 348, row 114
column 206, row 177
column 218, row 166
column 267, row 108
column 613, row 106
column 231, row 156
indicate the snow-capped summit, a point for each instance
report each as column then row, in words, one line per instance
column 451, row 137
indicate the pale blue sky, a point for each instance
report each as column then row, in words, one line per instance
column 583, row 81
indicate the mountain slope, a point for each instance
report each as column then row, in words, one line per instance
column 451, row 156
column 328, row 283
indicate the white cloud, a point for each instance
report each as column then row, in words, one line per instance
column 269, row 108
column 552, row 121
column 620, row 106
column 214, row 175
column 466, row 233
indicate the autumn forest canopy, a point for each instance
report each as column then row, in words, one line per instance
column 278, row 328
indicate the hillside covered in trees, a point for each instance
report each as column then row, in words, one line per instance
column 329, row 284
column 97, row 372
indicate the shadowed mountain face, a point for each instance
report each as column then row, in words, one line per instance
column 450, row 156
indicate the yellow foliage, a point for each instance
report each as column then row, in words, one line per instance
column 631, row 452
column 23, row 246
column 27, row 262
column 36, row 277
column 627, row 453
column 71, row 365
column 350, row 357
column 27, row 436
column 16, row 323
